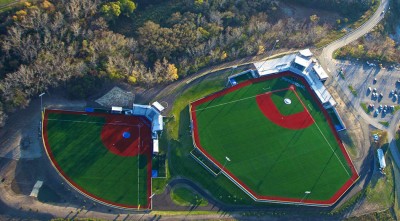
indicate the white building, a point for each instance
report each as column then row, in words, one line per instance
column 303, row 64
column 153, row 114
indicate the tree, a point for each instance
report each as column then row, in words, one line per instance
column 111, row 10
column 314, row 19
column 3, row 118
column 172, row 73
column 127, row 7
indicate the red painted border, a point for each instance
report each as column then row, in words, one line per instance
column 328, row 202
column 71, row 182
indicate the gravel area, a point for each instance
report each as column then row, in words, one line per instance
column 117, row 97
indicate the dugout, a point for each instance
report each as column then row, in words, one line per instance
column 155, row 146
column 241, row 77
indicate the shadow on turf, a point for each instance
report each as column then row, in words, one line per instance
column 365, row 172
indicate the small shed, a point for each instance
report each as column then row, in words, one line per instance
column 306, row 52
column 158, row 106
column 116, row 110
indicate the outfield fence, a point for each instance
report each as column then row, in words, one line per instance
column 202, row 162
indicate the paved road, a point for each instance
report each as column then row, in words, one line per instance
column 10, row 201
column 328, row 50
column 327, row 62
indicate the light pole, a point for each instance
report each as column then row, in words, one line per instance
column 270, row 53
column 226, row 161
column 305, row 195
column 233, row 68
column 41, row 101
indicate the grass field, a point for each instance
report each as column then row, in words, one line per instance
column 186, row 197
column 74, row 144
column 272, row 162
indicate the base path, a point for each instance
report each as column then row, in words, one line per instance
column 296, row 121
column 113, row 138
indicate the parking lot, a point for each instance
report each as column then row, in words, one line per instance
column 375, row 88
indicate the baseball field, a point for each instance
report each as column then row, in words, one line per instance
column 273, row 138
column 104, row 156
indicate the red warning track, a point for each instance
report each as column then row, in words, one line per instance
column 295, row 121
column 112, row 134
column 242, row 185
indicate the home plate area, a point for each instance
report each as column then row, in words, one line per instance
column 291, row 113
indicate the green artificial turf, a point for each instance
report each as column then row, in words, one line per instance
column 269, row 159
column 287, row 109
column 76, row 144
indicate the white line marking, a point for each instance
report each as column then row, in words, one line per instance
column 94, row 122
column 218, row 105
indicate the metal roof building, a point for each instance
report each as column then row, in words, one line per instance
column 304, row 65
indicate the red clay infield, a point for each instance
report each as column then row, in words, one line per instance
column 116, row 126
column 296, row 121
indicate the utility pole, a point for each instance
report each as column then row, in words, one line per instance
column 270, row 53
column 305, row 195
column 41, row 101
column 226, row 161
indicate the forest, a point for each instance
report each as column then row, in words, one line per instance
column 79, row 44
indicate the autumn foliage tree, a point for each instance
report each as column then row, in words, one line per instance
column 112, row 10
column 77, row 44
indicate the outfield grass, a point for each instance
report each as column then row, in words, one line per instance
column 270, row 160
column 75, row 143
column 180, row 143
